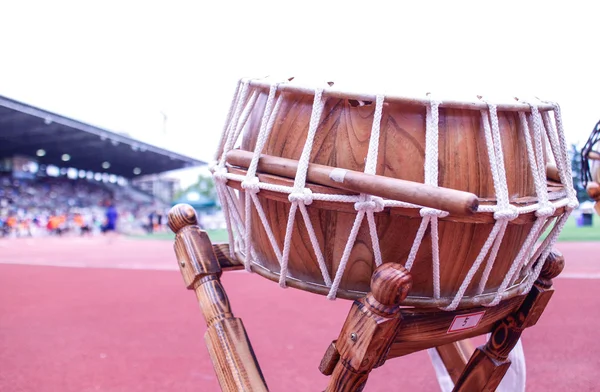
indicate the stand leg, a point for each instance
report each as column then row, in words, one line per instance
column 455, row 357
column 369, row 330
column 228, row 344
column 489, row 363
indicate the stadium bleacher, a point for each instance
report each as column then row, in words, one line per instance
column 59, row 175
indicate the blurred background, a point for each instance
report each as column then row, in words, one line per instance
column 110, row 112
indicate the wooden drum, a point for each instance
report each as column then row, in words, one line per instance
column 590, row 164
column 309, row 179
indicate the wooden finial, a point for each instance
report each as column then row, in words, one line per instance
column 593, row 190
column 182, row 215
column 390, row 284
column 553, row 266
column 369, row 330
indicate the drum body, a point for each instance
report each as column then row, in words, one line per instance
column 593, row 187
column 594, row 164
column 595, row 170
column 590, row 159
column 342, row 140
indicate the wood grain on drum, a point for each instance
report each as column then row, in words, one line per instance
column 342, row 140
column 237, row 262
column 552, row 172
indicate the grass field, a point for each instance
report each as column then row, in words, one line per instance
column 215, row 236
column 588, row 233
column 569, row 233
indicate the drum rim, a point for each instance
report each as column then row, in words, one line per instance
column 416, row 301
column 331, row 91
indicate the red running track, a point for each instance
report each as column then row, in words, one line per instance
column 116, row 329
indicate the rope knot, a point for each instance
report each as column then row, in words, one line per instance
column 573, row 203
column 426, row 211
column 370, row 204
column 507, row 213
column 547, row 210
column 305, row 197
column 251, row 184
column 219, row 173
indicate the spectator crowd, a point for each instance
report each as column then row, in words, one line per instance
column 61, row 206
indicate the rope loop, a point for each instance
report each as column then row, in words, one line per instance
column 212, row 165
column 219, row 173
column 426, row 211
column 572, row 204
column 545, row 211
column 251, row 184
column 507, row 213
column 370, row 204
column 305, row 197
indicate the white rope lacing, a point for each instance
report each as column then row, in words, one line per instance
column 430, row 216
column 239, row 223
column 302, row 196
column 366, row 205
column 219, row 172
column 558, row 145
column 504, row 213
column 232, row 108
column 546, row 209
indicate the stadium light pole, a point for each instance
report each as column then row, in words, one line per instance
column 164, row 122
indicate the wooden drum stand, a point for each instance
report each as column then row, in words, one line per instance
column 377, row 327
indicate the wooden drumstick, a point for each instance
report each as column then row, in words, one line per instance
column 454, row 201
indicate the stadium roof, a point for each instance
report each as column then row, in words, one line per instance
column 47, row 137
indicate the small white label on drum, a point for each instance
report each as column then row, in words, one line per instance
column 338, row 174
column 465, row 321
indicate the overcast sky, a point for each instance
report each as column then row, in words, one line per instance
column 119, row 64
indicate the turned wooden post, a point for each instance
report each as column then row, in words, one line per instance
column 489, row 363
column 369, row 330
column 228, row 344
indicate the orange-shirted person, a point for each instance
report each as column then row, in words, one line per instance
column 54, row 224
column 11, row 222
column 80, row 223
column 78, row 220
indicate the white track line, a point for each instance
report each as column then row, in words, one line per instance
column 134, row 266
column 173, row 267
column 579, row 275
